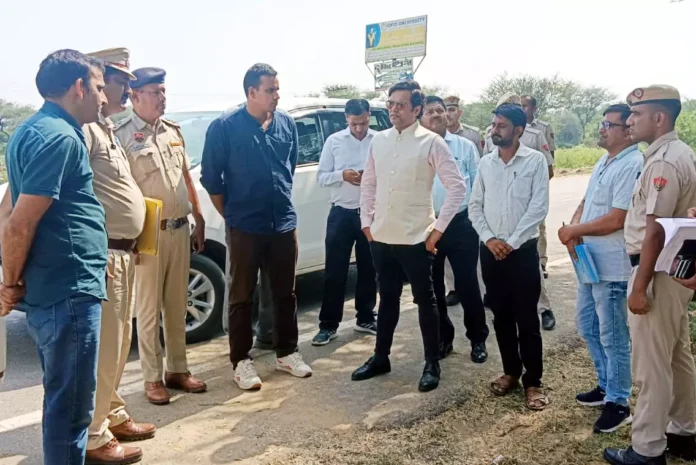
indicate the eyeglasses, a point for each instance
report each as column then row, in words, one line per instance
column 398, row 105
column 606, row 125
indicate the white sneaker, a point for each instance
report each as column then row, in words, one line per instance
column 245, row 375
column 294, row 365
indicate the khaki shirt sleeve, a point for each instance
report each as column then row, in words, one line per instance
column 550, row 138
column 478, row 142
column 90, row 140
column 544, row 148
column 662, row 189
column 187, row 159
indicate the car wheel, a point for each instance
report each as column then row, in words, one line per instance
column 205, row 299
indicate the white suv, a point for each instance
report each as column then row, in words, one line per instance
column 316, row 120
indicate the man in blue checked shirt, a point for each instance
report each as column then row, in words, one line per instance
column 459, row 243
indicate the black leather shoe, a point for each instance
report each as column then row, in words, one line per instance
column 681, row 447
column 452, row 299
column 371, row 368
column 446, row 348
column 548, row 320
column 479, row 354
column 431, row 377
column 631, row 457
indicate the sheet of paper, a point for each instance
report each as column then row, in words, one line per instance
column 677, row 230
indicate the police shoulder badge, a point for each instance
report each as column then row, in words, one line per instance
column 139, row 136
column 659, row 183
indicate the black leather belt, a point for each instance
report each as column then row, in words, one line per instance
column 635, row 259
column 352, row 210
column 122, row 244
column 170, row 225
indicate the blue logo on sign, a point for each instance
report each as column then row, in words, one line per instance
column 372, row 35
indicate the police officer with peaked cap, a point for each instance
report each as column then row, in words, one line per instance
column 662, row 364
column 124, row 205
column 157, row 154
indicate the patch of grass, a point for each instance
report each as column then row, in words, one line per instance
column 578, row 157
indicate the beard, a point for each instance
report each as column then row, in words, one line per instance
column 498, row 141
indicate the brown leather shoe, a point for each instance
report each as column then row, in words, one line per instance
column 184, row 382
column 132, row 431
column 156, row 393
column 113, row 453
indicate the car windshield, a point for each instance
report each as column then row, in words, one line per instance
column 194, row 126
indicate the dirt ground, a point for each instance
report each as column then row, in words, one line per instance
column 476, row 428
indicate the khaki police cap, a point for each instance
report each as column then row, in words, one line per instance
column 116, row 58
column 509, row 97
column 654, row 93
column 452, row 101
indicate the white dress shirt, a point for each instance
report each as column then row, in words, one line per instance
column 342, row 151
column 509, row 202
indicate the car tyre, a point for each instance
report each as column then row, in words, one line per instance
column 205, row 274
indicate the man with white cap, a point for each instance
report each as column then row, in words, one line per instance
column 124, row 205
column 662, row 364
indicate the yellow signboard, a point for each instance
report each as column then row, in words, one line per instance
column 403, row 38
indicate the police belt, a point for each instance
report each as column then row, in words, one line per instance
column 122, row 244
column 635, row 259
column 170, row 225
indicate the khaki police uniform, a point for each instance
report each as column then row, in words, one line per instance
column 158, row 158
column 468, row 132
column 124, row 205
column 663, row 367
column 535, row 139
column 546, row 129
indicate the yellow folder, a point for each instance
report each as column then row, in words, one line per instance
column 149, row 239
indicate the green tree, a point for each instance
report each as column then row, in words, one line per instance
column 477, row 114
column 686, row 127
column 550, row 93
column 436, row 89
column 588, row 102
column 11, row 115
column 567, row 128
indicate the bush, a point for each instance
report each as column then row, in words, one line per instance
column 578, row 157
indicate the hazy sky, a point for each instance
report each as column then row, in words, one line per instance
column 207, row 45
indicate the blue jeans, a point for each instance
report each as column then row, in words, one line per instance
column 67, row 336
column 602, row 321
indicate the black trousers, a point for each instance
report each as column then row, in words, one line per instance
column 460, row 244
column 391, row 261
column 342, row 232
column 513, row 289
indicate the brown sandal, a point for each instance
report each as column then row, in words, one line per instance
column 504, row 385
column 536, row 399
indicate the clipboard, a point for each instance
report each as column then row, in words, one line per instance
column 148, row 241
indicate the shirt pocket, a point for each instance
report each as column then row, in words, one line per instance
column 281, row 149
column 144, row 164
column 601, row 195
column 522, row 187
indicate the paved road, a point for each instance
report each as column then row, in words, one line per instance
column 227, row 424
